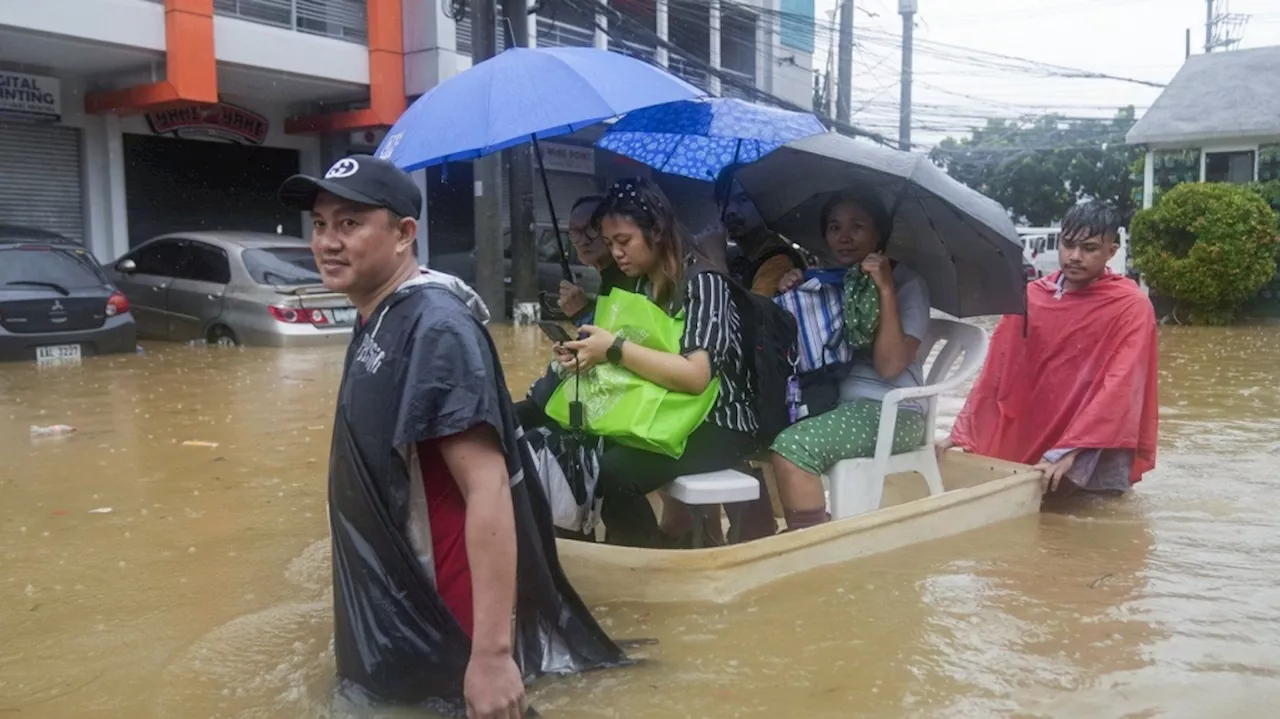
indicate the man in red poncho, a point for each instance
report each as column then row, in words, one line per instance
column 1072, row 387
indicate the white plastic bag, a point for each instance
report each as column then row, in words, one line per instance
column 565, row 512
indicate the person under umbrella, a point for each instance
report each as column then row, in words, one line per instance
column 885, row 319
column 506, row 101
column 961, row 242
column 759, row 257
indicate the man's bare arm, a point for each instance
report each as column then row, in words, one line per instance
column 476, row 461
column 492, row 687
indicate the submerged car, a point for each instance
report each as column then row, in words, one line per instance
column 55, row 302
column 463, row 266
column 232, row 288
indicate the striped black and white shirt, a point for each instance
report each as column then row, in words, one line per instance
column 712, row 324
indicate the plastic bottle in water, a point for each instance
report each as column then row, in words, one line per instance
column 55, row 430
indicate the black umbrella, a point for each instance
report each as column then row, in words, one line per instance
column 962, row 242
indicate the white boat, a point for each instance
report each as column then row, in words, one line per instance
column 980, row 491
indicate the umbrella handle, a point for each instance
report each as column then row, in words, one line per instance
column 551, row 208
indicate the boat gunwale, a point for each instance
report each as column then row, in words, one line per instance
column 720, row 559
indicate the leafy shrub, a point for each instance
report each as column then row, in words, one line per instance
column 1210, row 247
column 1269, row 191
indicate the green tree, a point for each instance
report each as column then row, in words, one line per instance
column 1039, row 168
column 1210, row 247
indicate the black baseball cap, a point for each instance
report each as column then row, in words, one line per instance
column 359, row 178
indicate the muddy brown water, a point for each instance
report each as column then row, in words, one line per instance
column 203, row 592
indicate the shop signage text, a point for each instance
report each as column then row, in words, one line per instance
column 211, row 122
column 30, row 96
column 568, row 158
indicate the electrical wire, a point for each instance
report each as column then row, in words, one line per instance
column 637, row 38
column 726, row 78
column 956, row 52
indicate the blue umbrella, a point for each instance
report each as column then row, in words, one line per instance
column 699, row 138
column 522, row 95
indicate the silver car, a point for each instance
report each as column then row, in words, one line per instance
column 231, row 288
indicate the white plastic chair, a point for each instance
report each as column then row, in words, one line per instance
column 857, row 485
column 727, row 486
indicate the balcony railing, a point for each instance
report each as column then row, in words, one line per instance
column 728, row 89
column 462, row 36
column 556, row 34
column 691, row 74
column 641, row 52
column 341, row 19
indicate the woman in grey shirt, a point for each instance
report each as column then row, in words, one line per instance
column 886, row 314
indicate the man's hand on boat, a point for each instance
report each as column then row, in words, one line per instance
column 942, row 447
column 1052, row 473
column 493, row 687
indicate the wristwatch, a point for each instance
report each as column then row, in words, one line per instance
column 614, row 355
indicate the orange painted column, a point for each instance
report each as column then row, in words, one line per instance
column 386, row 77
column 386, row 60
column 191, row 68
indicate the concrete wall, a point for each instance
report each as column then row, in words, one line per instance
column 140, row 24
column 131, row 23
column 275, row 48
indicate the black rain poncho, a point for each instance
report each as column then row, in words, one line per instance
column 422, row 368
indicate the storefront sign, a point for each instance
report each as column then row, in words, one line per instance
column 568, row 158
column 211, row 122
column 30, row 96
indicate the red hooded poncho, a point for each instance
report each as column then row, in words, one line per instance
column 1082, row 377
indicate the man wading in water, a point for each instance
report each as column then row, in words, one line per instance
column 434, row 508
column 1072, row 387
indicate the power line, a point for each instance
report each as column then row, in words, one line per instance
column 932, row 118
column 727, row 78
column 940, row 48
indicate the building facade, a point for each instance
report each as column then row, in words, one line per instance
column 1217, row 121
column 124, row 119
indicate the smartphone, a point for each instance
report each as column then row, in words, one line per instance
column 555, row 332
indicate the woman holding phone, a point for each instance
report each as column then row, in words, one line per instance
column 649, row 244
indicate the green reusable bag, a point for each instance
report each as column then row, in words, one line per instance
column 622, row 406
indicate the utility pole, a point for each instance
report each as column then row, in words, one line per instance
column 488, row 179
column 844, row 96
column 908, row 10
column 519, row 162
column 1222, row 28
column 1208, row 25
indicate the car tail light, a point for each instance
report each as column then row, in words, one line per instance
column 298, row 316
column 117, row 304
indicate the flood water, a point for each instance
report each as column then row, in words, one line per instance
column 203, row 591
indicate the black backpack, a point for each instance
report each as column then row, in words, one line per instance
column 769, row 345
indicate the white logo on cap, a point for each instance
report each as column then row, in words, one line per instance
column 389, row 146
column 345, row 167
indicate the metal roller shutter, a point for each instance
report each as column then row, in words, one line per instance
column 40, row 180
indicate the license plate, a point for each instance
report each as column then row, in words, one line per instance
column 344, row 316
column 57, row 354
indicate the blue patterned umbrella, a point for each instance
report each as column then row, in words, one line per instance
column 699, row 138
